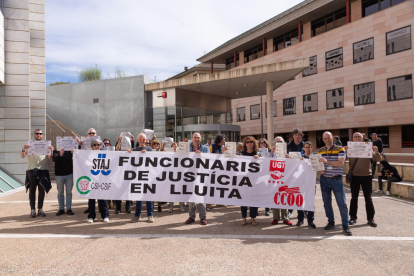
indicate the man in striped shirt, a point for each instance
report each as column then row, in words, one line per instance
column 333, row 157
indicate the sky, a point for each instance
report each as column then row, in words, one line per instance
column 157, row 38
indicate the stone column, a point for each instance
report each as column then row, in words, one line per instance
column 269, row 103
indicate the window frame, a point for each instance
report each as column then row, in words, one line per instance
column 237, row 113
column 343, row 94
column 260, row 112
column 284, row 114
column 402, row 137
column 317, row 102
column 411, row 42
column 316, row 67
column 412, row 92
column 361, row 84
column 325, row 17
column 353, row 50
column 326, row 66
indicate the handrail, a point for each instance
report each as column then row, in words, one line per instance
column 54, row 122
column 7, row 183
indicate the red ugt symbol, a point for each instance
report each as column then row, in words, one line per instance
column 276, row 169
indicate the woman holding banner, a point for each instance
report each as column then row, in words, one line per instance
column 175, row 146
column 250, row 148
column 102, row 204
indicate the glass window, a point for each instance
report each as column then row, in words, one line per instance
column 407, row 133
column 310, row 102
column 253, row 53
column 335, row 98
column 369, row 7
column 274, row 107
column 329, row 22
column 395, row 2
column 313, row 67
column 278, row 44
column 340, row 18
column 241, row 114
column 399, row 40
column 385, row 4
column 255, row 112
column 383, row 133
column 364, row 93
column 400, row 88
column 289, row 106
column 318, row 27
column 334, row 59
column 364, row 50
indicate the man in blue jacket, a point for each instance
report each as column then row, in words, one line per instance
column 197, row 147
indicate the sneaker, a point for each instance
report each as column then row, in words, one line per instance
column 90, row 220
column 189, row 221
column 312, row 225
column 287, row 222
column 70, row 212
column 128, row 211
column 387, row 193
column 275, row 221
column 300, row 223
column 117, row 212
column 267, row 213
column 150, row 219
column 352, row 221
column 372, row 223
column 378, row 191
column 208, row 209
column 136, row 219
column 170, row 210
column 33, row 213
column 60, row 212
column 203, row 222
column 106, row 220
column 289, row 214
column 330, row 225
column 41, row 213
column 182, row 209
column 347, row 232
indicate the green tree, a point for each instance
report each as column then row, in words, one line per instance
column 58, row 82
column 90, row 74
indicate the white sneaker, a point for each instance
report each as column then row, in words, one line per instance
column 106, row 220
column 387, row 193
column 182, row 209
column 377, row 191
column 90, row 220
column 150, row 219
column 136, row 219
column 170, row 210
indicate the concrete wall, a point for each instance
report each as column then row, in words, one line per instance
column 120, row 107
column 378, row 70
column 23, row 94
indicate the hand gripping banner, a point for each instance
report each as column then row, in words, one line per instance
column 194, row 177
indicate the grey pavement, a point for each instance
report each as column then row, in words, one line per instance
column 68, row 245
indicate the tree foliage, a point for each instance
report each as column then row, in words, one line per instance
column 58, row 83
column 90, row 74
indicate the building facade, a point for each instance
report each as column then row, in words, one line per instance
column 360, row 74
column 23, row 89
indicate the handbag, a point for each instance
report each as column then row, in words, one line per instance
column 349, row 174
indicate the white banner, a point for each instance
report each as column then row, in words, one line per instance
column 195, row 177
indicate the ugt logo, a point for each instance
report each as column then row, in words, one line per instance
column 101, row 165
column 276, row 169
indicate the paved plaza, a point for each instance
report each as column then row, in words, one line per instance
column 68, row 245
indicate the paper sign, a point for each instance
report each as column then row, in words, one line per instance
column 231, row 149
column 281, row 150
column 66, row 143
column 148, row 133
column 295, row 155
column 184, row 147
column 126, row 141
column 359, row 150
column 263, row 152
column 86, row 142
column 315, row 164
column 39, row 148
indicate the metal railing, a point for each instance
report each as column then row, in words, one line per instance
column 63, row 132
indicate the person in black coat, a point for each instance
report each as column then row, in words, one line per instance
column 388, row 173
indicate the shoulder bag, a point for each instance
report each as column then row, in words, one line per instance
column 349, row 174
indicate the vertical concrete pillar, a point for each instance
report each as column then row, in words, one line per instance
column 300, row 30
column 348, row 11
column 264, row 46
column 211, row 69
column 269, row 103
column 235, row 58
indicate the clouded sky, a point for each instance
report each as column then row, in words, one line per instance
column 155, row 38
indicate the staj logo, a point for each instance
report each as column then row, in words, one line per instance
column 83, row 185
column 101, row 165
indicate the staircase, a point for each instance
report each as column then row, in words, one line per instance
column 54, row 129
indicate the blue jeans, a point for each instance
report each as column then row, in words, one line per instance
column 102, row 206
column 138, row 208
column 335, row 185
column 61, row 180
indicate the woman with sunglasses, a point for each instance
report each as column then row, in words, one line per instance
column 250, row 148
column 276, row 212
column 264, row 144
column 102, row 204
column 175, row 146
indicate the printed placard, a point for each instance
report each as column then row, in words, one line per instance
column 231, row 149
column 315, row 164
column 359, row 150
column 66, row 143
column 39, row 147
column 86, row 142
column 281, row 150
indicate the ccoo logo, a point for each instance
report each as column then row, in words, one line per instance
column 101, row 165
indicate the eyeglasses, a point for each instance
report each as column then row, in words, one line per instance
column 38, row 133
column 94, row 145
column 106, row 143
column 141, row 139
column 92, row 133
column 263, row 143
column 248, row 142
column 156, row 144
column 279, row 141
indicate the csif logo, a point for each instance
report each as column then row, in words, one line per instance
column 101, row 165
column 83, row 185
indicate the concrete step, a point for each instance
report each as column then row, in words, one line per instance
column 406, row 170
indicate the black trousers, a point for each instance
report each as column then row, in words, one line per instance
column 366, row 183
column 33, row 184
column 119, row 204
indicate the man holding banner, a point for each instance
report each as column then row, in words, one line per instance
column 197, row 147
column 333, row 157
column 362, row 177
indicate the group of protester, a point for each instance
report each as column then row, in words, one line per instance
column 333, row 157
